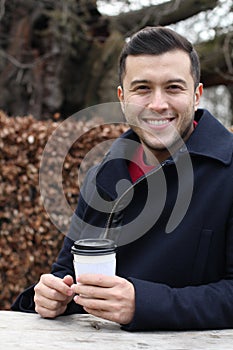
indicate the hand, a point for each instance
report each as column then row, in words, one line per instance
column 52, row 294
column 111, row 298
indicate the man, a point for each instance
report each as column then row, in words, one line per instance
column 177, row 280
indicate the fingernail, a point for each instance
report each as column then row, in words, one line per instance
column 76, row 298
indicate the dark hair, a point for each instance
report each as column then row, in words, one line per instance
column 156, row 41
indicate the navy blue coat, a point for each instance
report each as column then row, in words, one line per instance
column 180, row 260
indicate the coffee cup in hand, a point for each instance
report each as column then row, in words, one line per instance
column 94, row 256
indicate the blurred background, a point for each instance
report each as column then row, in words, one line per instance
column 57, row 57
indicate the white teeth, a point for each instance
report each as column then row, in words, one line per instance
column 157, row 122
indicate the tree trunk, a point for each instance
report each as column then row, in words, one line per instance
column 58, row 57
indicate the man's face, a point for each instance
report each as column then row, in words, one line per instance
column 158, row 99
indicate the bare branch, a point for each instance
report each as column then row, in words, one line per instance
column 227, row 52
column 20, row 65
column 162, row 14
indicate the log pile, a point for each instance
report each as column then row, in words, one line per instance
column 29, row 241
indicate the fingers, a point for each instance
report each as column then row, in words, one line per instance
column 46, row 292
column 50, row 308
column 93, row 303
column 47, row 313
column 52, row 294
column 98, row 280
column 68, row 280
column 112, row 298
column 49, row 282
column 95, row 286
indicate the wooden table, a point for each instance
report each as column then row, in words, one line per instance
column 84, row 332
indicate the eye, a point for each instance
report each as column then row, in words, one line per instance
column 142, row 88
column 175, row 88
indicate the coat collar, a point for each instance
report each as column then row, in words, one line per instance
column 209, row 139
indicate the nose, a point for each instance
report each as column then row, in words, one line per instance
column 158, row 101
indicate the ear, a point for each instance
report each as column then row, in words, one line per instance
column 120, row 95
column 198, row 93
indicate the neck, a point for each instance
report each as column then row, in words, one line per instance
column 153, row 157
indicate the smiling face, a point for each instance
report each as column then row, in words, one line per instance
column 159, row 100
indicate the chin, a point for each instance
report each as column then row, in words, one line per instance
column 161, row 146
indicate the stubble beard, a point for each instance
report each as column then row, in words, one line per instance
column 163, row 151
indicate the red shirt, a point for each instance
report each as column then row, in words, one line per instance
column 137, row 166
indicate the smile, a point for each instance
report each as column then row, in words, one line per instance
column 157, row 122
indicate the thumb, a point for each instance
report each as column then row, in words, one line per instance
column 68, row 280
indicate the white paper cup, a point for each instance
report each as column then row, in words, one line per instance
column 94, row 256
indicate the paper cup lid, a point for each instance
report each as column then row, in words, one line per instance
column 90, row 246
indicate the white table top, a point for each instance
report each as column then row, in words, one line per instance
column 84, row 332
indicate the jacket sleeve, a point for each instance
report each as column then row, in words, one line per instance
column 25, row 301
column 159, row 306
column 207, row 306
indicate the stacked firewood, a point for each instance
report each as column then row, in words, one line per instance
column 29, row 239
